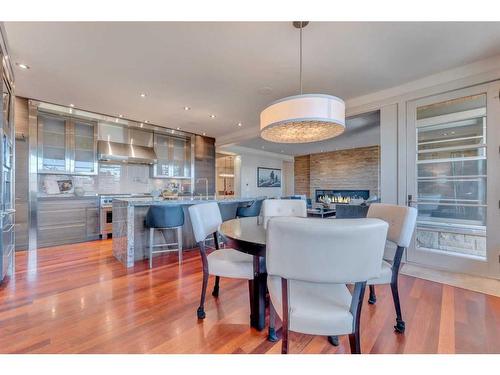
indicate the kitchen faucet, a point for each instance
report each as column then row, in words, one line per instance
column 206, row 185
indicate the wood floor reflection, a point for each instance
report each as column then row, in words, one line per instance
column 79, row 299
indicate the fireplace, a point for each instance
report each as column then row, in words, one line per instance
column 342, row 196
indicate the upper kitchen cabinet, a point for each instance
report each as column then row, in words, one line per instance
column 85, row 161
column 204, row 166
column 52, row 144
column 174, row 157
column 66, row 145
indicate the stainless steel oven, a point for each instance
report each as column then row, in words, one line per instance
column 106, row 214
column 106, row 211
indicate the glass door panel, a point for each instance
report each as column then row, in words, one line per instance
column 448, row 180
column 178, row 157
column 52, row 144
column 85, row 152
column 163, row 166
column 6, row 106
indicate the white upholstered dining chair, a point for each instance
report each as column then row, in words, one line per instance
column 206, row 220
column 401, row 220
column 283, row 208
column 309, row 262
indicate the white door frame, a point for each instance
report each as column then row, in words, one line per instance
column 451, row 261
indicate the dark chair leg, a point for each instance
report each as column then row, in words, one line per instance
column 284, row 322
column 272, row 337
column 355, row 343
column 373, row 296
column 201, row 311
column 215, row 292
column 400, row 324
column 356, row 306
column 284, row 340
column 334, row 340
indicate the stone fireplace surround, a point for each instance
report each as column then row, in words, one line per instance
column 349, row 169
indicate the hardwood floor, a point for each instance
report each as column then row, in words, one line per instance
column 79, row 299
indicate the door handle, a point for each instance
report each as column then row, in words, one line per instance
column 411, row 202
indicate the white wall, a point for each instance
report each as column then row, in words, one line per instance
column 245, row 171
column 389, row 154
column 248, row 175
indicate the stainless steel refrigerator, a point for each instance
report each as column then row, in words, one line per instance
column 7, row 144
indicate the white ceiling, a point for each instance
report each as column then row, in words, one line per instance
column 360, row 131
column 232, row 70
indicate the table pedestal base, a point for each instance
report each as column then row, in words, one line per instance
column 257, row 290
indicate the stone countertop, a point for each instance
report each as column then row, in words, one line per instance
column 183, row 201
column 66, row 196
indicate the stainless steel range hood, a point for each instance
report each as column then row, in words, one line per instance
column 125, row 153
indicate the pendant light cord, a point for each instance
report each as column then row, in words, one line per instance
column 300, row 51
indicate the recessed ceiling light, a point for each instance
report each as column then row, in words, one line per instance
column 147, row 122
column 22, row 66
column 187, row 108
column 71, row 105
column 120, row 116
column 143, row 95
column 240, row 124
column 212, row 116
column 178, row 128
column 204, row 133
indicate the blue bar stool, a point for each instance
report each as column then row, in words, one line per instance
column 228, row 210
column 250, row 211
column 164, row 217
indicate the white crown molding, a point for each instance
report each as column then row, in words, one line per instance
column 240, row 150
column 487, row 69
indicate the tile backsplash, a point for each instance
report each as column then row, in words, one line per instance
column 113, row 179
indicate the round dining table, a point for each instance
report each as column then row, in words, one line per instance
column 248, row 235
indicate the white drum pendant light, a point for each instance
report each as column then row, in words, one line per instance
column 303, row 118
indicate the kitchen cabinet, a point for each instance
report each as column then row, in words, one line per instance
column 174, row 157
column 204, row 165
column 64, row 220
column 7, row 149
column 92, row 223
column 66, row 145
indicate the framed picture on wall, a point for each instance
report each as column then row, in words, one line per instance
column 268, row 177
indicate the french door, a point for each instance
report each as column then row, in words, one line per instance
column 453, row 179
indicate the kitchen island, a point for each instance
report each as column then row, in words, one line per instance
column 130, row 236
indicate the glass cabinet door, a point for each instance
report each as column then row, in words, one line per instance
column 162, row 168
column 174, row 157
column 52, row 145
column 6, row 106
column 66, row 145
column 85, row 149
column 179, row 157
